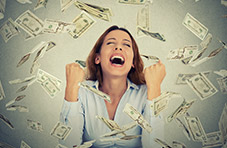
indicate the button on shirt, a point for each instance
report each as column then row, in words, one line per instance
column 81, row 116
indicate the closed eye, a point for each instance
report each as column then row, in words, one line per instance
column 108, row 43
column 127, row 45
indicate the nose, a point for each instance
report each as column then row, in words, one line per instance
column 118, row 48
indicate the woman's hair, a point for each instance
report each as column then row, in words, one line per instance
column 94, row 71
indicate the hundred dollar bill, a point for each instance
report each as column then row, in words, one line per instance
column 213, row 140
column 181, row 78
column 224, row 2
column 83, row 22
column 23, row 88
column 182, row 53
column 60, row 146
column 181, row 109
column 201, row 86
column 205, row 43
column 143, row 19
column 34, row 125
column 223, row 125
column 195, row 128
column 24, row 1
column 110, row 123
column 185, row 129
column 24, row 145
column 86, row 144
column 2, row 8
column 138, row 117
column 8, row 30
column 177, row 144
column 195, row 26
column 60, row 131
column 18, row 98
column 96, row 11
column 154, row 35
column 222, row 72
column 6, row 121
column 65, row 4
column 162, row 143
column 19, row 108
column 40, row 4
column 30, row 23
column 35, row 66
column 137, row 2
column 150, row 57
column 100, row 93
column 127, row 137
column 19, row 81
column 2, row 93
column 82, row 63
column 149, row 60
column 5, row 145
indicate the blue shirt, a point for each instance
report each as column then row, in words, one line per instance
column 81, row 116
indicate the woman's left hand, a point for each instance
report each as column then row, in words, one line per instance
column 154, row 76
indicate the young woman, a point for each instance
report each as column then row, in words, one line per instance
column 114, row 66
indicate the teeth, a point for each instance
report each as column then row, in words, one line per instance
column 117, row 57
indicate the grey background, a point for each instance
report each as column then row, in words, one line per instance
column 166, row 17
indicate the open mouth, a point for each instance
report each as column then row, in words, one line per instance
column 117, row 60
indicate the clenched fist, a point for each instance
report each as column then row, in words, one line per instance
column 154, row 76
column 74, row 75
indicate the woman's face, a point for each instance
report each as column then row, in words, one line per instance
column 116, row 54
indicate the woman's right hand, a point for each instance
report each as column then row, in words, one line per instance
column 74, row 75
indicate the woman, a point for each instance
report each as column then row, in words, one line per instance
column 114, row 66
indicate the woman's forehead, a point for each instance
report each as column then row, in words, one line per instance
column 118, row 34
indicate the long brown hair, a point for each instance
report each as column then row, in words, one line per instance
column 94, row 71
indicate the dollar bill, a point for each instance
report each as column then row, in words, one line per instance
column 185, row 129
column 86, row 144
column 6, row 121
column 195, row 128
column 2, row 93
column 213, row 140
column 137, row 2
column 35, row 66
column 138, row 117
column 23, row 88
column 223, row 125
column 34, row 125
column 110, row 123
column 223, row 43
column 40, row 4
column 60, row 131
column 60, row 146
column 83, row 22
column 221, row 72
column 8, row 30
column 5, row 145
column 150, row 57
column 30, row 23
column 143, row 19
column 195, row 26
column 127, row 137
column 181, row 109
column 224, row 2
column 65, row 4
column 24, row 1
column 19, row 108
column 24, row 145
column 49, row 83
column 162, row 143
column 182, row 77
column 177, row 144
column 19, row 81
column 96, row 11
column 205, row 43
column 18, row 98
column 82, row 63
column 201, row 86
column 182, row 53
column 2, row 8
column 154, row 35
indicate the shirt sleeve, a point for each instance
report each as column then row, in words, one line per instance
column 72, row 114
column 157, row 124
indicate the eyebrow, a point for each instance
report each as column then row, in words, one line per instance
column 115, row 39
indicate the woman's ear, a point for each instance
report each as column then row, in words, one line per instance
column 97, row 59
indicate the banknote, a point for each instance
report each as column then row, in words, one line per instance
column 40, row 4
column 18, row 98
column 6, row 121
column 82, row 63
column 137, row 2
column 224, row 2
column 181, row 109
column 65, row 4
column 149, row 57
column 24, row 145
column 138, row 117
column 127, row 137
column 201, row 86
column 182, row 77
column 2, row 93
column 185, row 129
column 143, row 19
column 19, row 81
column 23, row 88
column 83, row 22
column 94, row 10
column 195, row 128
column 223, row 125
column 154, row 35
column 162, row 143
column 2, row 8
column 96, row 91
column 101, row 9
column 30, row 23
column 5, row 145
column 86, row 144
column 222, row 72
column 24, row 1
column 205, row 43
column 177, row 144
column 60, row 131
column 182, row 53
column 60, row 146
column 35, row 66
column 19, row 108
column 213, row 140
column 195, row 26
column 8, row 30
column 34, row 125
column 223, row 43
column 110, row 123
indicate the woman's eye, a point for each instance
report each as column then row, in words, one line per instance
column 108, row 43
column 127, row 45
